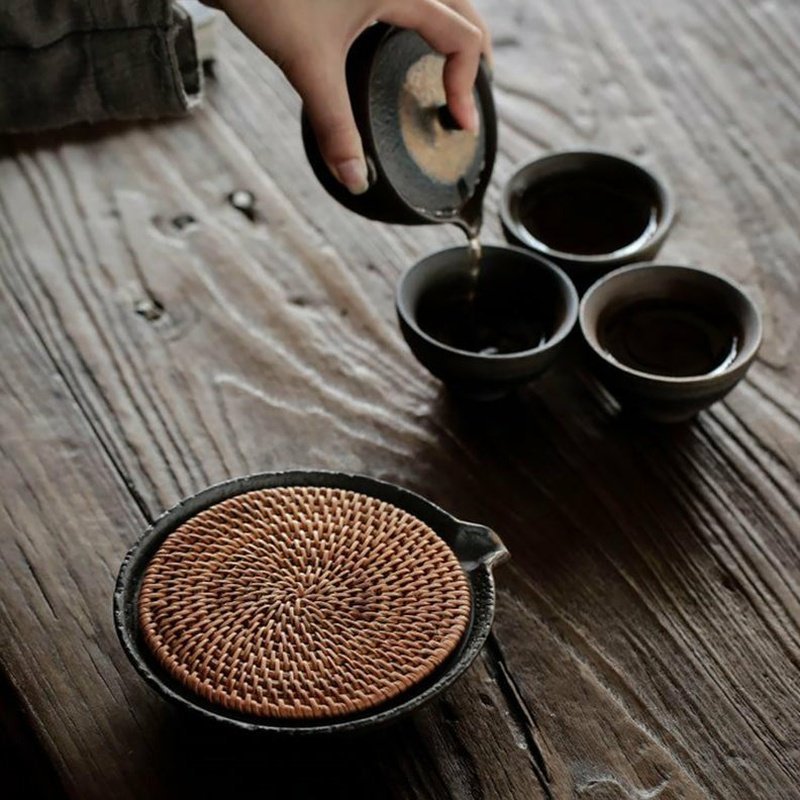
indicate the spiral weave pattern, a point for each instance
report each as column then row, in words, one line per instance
column 302, row 602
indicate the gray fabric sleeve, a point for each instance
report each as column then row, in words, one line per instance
column 70, row 61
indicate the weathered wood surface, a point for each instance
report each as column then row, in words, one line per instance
column 647, row 642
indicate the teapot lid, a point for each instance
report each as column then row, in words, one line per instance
column 437, row 168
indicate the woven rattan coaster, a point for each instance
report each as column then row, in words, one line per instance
column 302, row 602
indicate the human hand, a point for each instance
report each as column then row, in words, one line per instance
column 309, row 40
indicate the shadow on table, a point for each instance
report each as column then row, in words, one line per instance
column 557, row 470
column 208, row 760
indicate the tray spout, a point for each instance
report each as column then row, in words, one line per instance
column 479, row 544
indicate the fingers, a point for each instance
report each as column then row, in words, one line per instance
column 321, row 83
column 456, row 38
column 467, row 10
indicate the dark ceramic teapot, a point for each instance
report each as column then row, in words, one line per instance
column 422, row 167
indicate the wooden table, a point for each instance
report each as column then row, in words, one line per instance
column 647, row 641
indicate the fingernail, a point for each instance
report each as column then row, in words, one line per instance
column 353, row 174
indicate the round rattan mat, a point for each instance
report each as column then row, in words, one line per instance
column 302, row 602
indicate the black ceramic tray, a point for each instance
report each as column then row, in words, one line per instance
column 477, row 548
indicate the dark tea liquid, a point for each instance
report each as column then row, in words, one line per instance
column 587, row 216
column 481, row 316
column 482, row 313
column 670, row 337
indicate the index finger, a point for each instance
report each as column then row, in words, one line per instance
column 468, row 11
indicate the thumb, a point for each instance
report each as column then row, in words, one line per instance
column 323, row 87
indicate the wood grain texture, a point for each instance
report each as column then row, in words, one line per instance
column 68, row 518
column 648, row 636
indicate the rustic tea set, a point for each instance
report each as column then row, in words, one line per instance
column 320, row 602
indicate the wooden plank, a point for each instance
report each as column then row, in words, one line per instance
column 647, row 642
column 66, row 518
column 69, row 517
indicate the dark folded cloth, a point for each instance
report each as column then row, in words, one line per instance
column 69, row 61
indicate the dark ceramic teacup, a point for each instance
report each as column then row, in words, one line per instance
column 668, row 341
column 588, row 211
column 486, row 331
